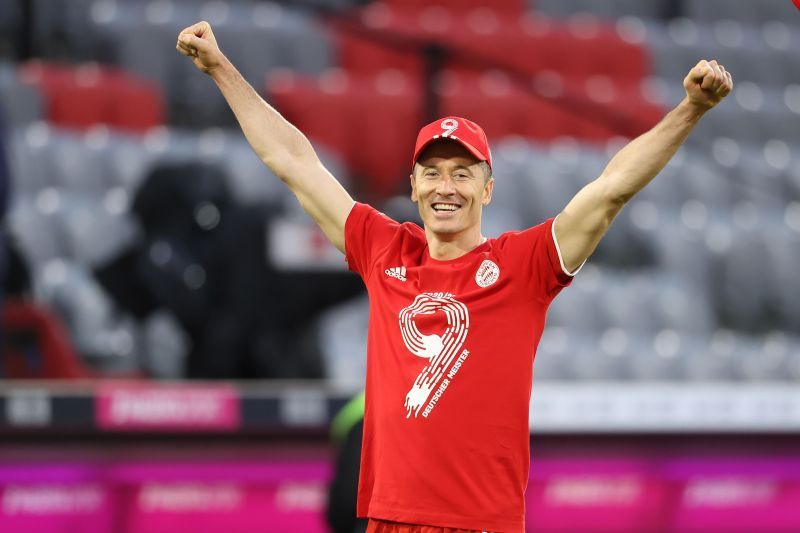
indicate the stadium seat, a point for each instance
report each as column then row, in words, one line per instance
column 95, row 234
column 40, row 235
column 609, row 9
column 342, row 331
column 741, row 297
column 764, row 10
column 579, row 307
column 36, row 345
column 348, row 114
column 513, row 7
column 128, row 162
column 30, row 160
column 681, row 306
column 713, row 361
column 663, row 356
column 627, row 302
column 483, row 39
column 91, row 94
column 783, row 248
column 138, row 106
column 558, row 348
column 19, row 103
column 604, row 357
column 81, row 170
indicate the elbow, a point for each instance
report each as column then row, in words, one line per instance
column 278, row 166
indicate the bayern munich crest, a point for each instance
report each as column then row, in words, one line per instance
column 487, row 273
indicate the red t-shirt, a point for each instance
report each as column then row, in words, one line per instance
column 450, row 354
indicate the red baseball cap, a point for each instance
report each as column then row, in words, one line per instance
column 465, row 132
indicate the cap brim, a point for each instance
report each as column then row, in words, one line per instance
column 471, row 149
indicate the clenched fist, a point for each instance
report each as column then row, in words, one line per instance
column 707, row 84
column 198, row 42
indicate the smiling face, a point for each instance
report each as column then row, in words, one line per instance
column 451, row 187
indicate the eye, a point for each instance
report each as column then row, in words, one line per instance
column 430, row 173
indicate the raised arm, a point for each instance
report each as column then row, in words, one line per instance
column 586, row 218
column 281, row 146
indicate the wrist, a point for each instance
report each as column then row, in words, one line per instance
column 691, row 111
column 221, row 71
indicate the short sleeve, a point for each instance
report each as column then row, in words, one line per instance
column 366, row 233
column 535, row 252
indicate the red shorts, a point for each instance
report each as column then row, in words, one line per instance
column 376, row 525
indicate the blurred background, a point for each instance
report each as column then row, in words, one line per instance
column 179, row 343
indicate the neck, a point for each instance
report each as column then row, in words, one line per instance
column 452, row 246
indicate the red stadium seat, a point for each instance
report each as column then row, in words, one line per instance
column 513, row 74
column 321, row 109
column 513, row 7
column 502, row 106
column 387, row 128
column 359, row 54
column 482, row 38
column 138, row 106
column 80, row 97
column 82, row 101
column 35, row 344
column 367, row 119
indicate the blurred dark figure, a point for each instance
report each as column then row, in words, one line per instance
column 204, row 259
column 346, row 432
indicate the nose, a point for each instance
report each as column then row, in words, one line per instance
column 445, row 186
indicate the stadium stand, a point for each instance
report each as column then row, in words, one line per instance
column 666, row 379
column 85, row 136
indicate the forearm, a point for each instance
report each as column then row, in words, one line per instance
column 635, row 165
column 274, row 139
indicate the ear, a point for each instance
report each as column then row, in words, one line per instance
column 487, row 192
column 414, row 197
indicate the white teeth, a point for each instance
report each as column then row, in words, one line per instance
column 445, row 207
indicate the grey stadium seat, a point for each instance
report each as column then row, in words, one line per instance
column 611, row 9
column 557, row 347
column 41, row 236
column 30, row 158
column 703, row 181
column 129, row 160
column 750, row 12
column 681, row 251
column 21, row 104
column 343, row 341
column 715, row 360
column 683, row 306
column 626, row 301
column 96, row 332
column 81, row 169
column 783, row 247
column 741, row 295
column 95, row 235
column 606, row 356
column 578, row 307
column 662, row 357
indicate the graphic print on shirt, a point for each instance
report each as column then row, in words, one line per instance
column 441, row 350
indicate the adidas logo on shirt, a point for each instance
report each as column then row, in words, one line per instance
column 396, row 272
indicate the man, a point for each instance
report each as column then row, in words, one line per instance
column 455, row 318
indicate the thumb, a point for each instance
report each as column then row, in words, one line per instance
column 699, row 71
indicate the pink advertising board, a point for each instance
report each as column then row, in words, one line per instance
column 665, row 494
column 144, row 406
column 154, row 498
